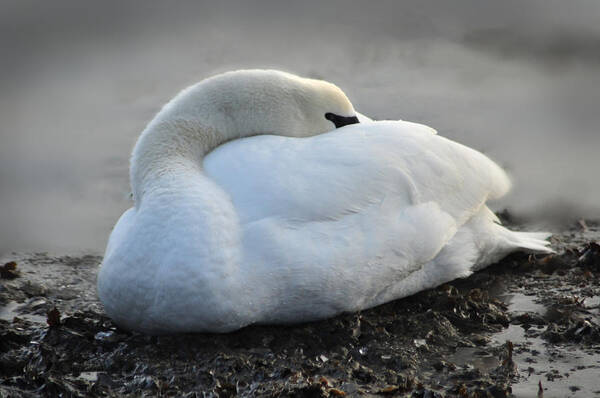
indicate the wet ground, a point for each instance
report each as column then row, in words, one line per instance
column 528, row 326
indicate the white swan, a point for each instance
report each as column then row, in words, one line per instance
column 300, row 222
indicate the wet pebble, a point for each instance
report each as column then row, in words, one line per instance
column 108, row 336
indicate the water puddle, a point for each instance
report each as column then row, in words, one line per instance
column 13, row 309
column 90, row 377
column 476, row 357
column 592, row 304
column 520, row 303
column 563, row 370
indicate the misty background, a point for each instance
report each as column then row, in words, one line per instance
column 518, row 80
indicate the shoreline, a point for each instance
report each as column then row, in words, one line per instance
column 506, row 328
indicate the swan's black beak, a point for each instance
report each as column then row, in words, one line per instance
column 340, row 121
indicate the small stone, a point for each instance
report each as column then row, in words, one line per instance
column 106, row 336
column 420, row 342
column 9, row 271
column 53, row 318
column 389, row 390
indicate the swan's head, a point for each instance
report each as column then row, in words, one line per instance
column 320, row 106
column 252, row 102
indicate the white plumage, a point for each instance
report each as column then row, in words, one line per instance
column 297, row 222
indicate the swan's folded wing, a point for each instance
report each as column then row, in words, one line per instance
column 367, row 204
column 392, row 165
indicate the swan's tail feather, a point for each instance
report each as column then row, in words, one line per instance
column 505, row 241
column 532, row 241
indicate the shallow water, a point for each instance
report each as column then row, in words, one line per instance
column 562, row 369
column 519, row 303
column 516, row 80
column 476, row 357
column 90, row 377
column 13, row 309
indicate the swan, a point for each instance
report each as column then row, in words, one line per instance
column 264, row 197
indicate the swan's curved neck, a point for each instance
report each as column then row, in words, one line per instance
column 218, row 110
column 168, row 147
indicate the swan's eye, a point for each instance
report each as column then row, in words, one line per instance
column 340, row 121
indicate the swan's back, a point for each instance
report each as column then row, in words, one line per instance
column 331, row 175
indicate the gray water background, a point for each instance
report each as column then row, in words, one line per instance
column 518, row 80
